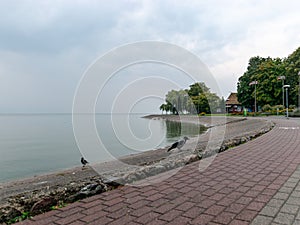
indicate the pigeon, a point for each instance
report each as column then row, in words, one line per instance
column 178, row 144
column 83, row 161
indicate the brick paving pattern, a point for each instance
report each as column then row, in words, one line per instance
column 254, row 183
column 284, row 207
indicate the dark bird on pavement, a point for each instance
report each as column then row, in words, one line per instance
column 83, row 161
column 178, row 144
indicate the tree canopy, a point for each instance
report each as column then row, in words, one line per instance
column 196, row 99
column 266, row 72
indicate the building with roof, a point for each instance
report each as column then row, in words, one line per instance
column 232, row 104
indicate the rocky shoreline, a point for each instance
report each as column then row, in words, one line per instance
column 29, row 197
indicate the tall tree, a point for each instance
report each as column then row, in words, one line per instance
column 269, row 89
column 196, row 99
column 292, row 66
column 197, row 89
column 178, row 99
column 244, row 90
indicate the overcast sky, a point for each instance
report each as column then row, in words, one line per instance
column 46, row 46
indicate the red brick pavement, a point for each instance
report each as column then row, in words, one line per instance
column 232, row 190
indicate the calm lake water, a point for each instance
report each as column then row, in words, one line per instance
column 36, row 144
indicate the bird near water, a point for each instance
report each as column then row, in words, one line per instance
column 83, row 162
column 178, row 144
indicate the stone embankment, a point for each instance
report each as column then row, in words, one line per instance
column 42, row 193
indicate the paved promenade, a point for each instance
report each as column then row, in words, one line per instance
column 254, row 183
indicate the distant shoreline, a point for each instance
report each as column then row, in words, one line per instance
column 62, row 113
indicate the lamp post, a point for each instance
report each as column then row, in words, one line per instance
column 254, row 83
column 287, row 99
column 282, row 78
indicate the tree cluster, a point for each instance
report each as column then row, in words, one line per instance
column 267, row 71
column 196, row 99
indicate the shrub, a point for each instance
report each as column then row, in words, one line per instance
column 296, row 110
column 280, row 107
column 254, row 114
column 266, row 108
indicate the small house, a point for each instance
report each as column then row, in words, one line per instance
column 232, row 104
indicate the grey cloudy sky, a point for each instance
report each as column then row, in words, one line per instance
column 46, row 46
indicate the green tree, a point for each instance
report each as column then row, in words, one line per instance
column 201, row 103
column 244, row 91
column 197, row 89
column 196, row 99
column 163, row 108
column 167, row 107
column 268, row 90
column 292, row 66
column 202, row 98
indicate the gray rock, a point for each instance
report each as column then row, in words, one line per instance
column 91, row 189
column 8, row 213
column 88, row 190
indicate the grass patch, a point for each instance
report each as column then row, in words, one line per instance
column 24, row 216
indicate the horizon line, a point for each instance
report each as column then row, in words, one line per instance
column 69, row 113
